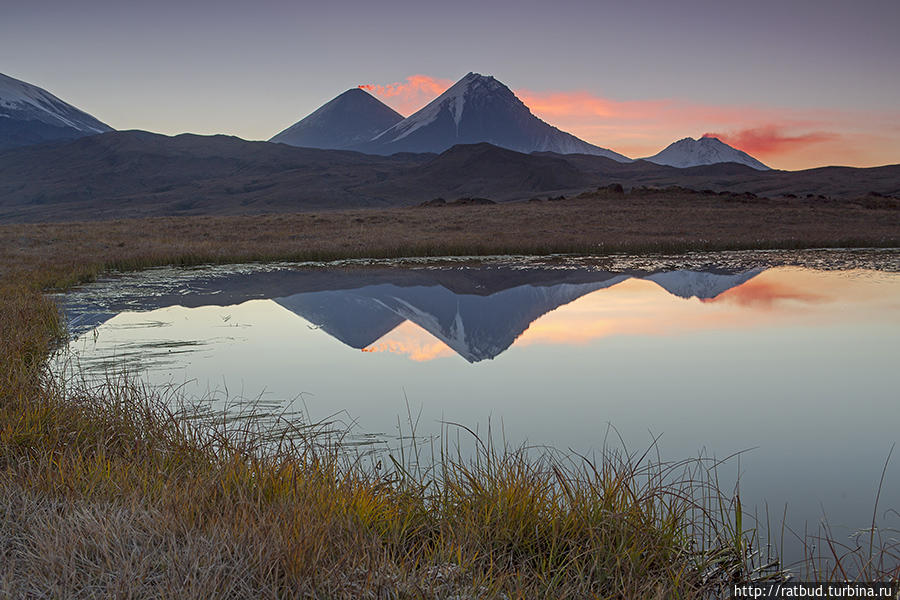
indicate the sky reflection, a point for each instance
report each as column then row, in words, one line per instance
column 641, row 307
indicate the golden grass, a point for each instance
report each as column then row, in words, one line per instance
column 110, row 494
column 596, row 223
column 107, row 493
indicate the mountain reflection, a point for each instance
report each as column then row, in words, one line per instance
column 478, row 312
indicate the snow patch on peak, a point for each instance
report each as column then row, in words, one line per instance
column 708, row 140
column 472, row 76
column 459, row 102
column 455, row 97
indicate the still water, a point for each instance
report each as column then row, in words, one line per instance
column 790, row 359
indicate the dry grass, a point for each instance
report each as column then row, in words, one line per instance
column 599, row 223
column 106, row 493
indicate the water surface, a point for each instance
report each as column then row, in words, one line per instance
column 789, row 358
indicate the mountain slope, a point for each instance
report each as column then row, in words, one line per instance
column 689, row 152
column 479, row 109
column 349, row 119
column 31, row 115
column 134, row 173
column 486, row 170
column 348, row 316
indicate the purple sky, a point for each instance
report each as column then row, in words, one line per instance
column 822, row 75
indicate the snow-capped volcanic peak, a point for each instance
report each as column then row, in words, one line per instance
column 477, row 109
column 25, row 102
column 453, row 101
column 469, row 86
column 708, row 150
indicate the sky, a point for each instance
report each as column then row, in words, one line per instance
column 798, row 84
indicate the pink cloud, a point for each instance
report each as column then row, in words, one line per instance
column 406, row 97
column 769, row 140
column 584, row 104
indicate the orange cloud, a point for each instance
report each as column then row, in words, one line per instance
column 771, row 139
column 585, row 104
column 408, row 96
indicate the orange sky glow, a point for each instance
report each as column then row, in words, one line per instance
column 780, row 137
column 411, row 340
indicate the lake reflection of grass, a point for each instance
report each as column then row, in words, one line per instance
column 107, row 490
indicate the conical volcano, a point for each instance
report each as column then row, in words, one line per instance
column 476, row 109
column 350, row 119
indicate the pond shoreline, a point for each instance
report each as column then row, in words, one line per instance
column 589, row 224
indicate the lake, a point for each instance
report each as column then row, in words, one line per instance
column 788, row 358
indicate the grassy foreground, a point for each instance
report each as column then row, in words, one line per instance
column 106, row 493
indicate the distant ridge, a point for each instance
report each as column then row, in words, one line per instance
column 689, row 152
column 133, row 174
column 471, row 168
column 32, row 115
column 476, row 109
column 351, row 118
